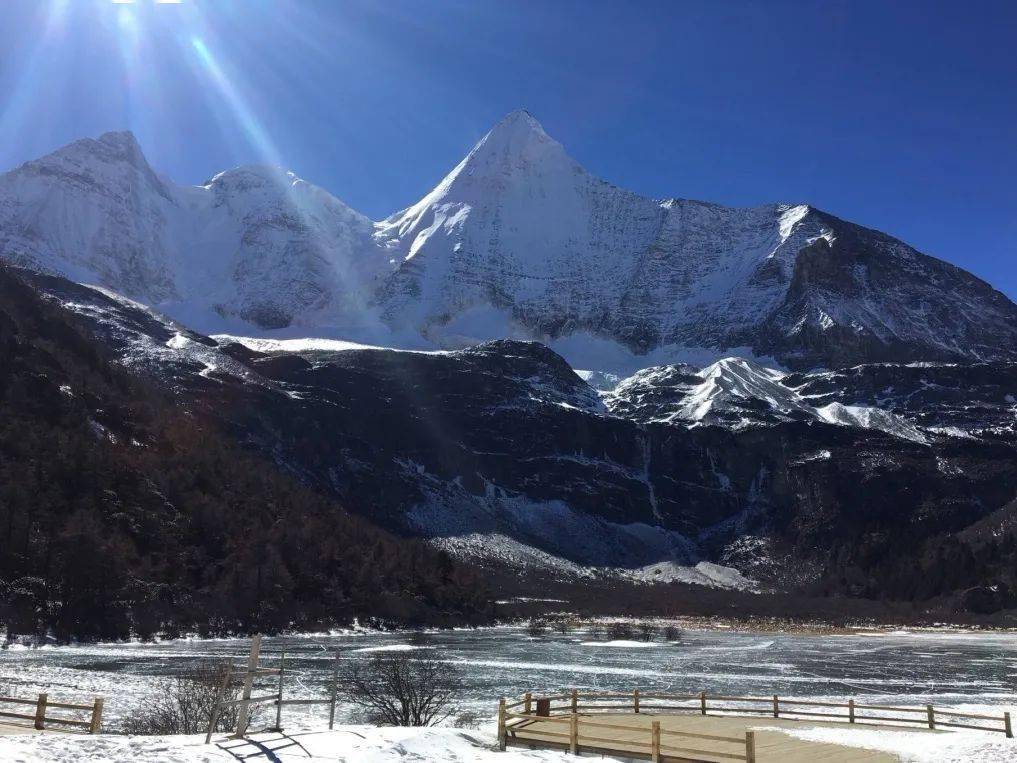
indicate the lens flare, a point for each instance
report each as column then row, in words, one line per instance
column 245, row 117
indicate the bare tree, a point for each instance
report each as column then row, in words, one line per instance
column 620, row 631
column 672, row 633
column 562, row 625
column 647, row 631
column 398, row 690
column 183, row 705
column 536, row 628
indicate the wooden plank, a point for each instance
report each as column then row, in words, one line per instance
column 968, row 726
column 969, row 715
column 18, row 701
column 279, row 702
column 613, row 740
column 889, row 718
column 535, row 732
column 889, row 707
column 40, row 712
column 67, row 705
column 69, row 722
column 21, row 716
column 807, row 702
column 711, row 737
column 335, row 690
column 96, row 721
column 616, row 726
column 712, row 753
column 788, row 713
column 213, row 715
column 252, row 666
column 501, row 724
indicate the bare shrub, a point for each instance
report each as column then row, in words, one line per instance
column 620, row 631
column 183, row 705
column 672, row 633
column 420, row 638
column 400, row 690
column 647, row 632
column 536, row 628
column 562, row 626
column 468, row 719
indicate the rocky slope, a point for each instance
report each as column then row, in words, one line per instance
column 501, row 452
column 517, row 241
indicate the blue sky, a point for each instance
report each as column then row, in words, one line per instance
column 900, row 116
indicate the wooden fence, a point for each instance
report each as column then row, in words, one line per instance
column 248, row 676
column 569, row 708
column 42, row 719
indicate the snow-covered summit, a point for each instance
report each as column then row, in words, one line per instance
column 517, row 241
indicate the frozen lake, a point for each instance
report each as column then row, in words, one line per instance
column 965, row 670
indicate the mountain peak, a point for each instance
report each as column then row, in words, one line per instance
column 120, row 139
column 518, row 121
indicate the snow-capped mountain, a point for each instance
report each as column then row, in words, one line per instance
column 738, row 393
column 255, row 244
column 517, row 241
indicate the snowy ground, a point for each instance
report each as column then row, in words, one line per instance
column 967, row 671
column 367, row 744
column 350, row 744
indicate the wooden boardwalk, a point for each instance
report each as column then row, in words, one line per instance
column 631, row 741
column 671, row 728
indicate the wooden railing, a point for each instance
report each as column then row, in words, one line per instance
column 41, row 717
column 246, row 701
column 570, row 707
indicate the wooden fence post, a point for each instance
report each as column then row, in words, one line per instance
column 575, row 700
column 40, row 712
column 1006, row 726
column 574, row 734
column 279, row 701
column 750, row 747
column 96, row 716
column 527, row 703
column 502, row 733
column 655, row 742
column 851, row 711
column 635, row 700
column 252, row 666
column 931, row 713
column 213, row 716
column 776, row 707
column 335, row 691
column 702, row 702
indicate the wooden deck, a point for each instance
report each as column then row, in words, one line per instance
column 632, row 733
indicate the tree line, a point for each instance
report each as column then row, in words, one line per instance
column 123, row 514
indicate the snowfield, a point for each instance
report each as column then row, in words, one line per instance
column 349, row 744
column 370, row 744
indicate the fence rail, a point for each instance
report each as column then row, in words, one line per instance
column 42, row 719
column 574, row 707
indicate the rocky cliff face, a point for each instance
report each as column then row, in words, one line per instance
column 517, row 241
column 502, row 451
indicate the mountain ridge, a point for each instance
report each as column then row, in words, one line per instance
column 518, row 240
